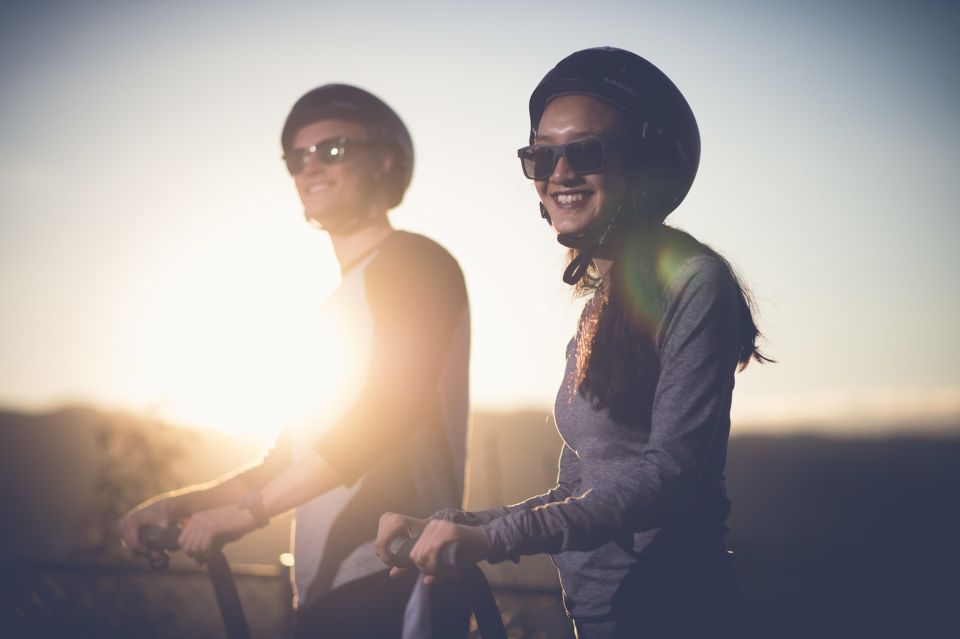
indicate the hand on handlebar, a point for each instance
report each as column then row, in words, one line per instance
column 393, row 525
column 209, row 529
column 427, row 552
column 148, row 513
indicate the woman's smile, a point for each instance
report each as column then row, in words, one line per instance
column 571, row 199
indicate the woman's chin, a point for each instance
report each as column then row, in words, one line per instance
column 565, row 227
column 571, row 221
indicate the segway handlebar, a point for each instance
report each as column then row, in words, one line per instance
column 160, row 540
column 451, row 555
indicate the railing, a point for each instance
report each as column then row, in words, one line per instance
column 79, row 600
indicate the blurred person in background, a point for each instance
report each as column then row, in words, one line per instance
column 398, row 440
column 637, row 521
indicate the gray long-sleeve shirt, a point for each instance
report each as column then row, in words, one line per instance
column 623, row 485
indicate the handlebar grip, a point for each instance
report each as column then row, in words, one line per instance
column 451, row 555
column 159, row 538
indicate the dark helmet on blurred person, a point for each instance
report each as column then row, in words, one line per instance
column 346, row 102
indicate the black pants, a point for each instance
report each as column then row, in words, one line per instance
column 688, row 595
column 372, row 608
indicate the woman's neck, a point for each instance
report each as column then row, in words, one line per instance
column 602, row 265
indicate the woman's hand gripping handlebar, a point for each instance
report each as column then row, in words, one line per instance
column 434, row 547
column 451, row 555
column 439, row 548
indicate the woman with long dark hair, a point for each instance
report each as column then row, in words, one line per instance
column 636, row 522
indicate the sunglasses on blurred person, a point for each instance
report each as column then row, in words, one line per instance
column 329, row 151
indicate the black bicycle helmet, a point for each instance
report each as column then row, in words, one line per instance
column 664, row 150
column 668, row 139
column 351, row 103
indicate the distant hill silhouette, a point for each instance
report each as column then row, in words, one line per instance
column 835, row 537
column 66, row 476
column 848, row 538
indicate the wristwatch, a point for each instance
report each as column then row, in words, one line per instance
column 253, row 502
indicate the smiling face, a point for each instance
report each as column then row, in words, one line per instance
column 331, row 192
column 575, row 201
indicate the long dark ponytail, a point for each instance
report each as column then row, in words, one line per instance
column 617, row 362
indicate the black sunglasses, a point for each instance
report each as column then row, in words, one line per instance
column 586, row 155
column 329, row 151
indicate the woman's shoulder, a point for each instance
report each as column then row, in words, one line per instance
column 698, row 271
column 702, row 292
column 682, row 262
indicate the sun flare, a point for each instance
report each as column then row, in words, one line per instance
column 239, row 346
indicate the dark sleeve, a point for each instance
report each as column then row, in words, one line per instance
column 568, row 481
column 274, row 462
column 698, row 359
column 417, row 298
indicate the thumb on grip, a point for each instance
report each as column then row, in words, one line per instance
column 398, row 550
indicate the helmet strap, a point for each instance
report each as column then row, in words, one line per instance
column 589, row 244
column 577, row 268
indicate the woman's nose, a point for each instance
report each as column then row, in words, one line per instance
column 562, row 173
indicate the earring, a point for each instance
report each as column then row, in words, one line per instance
column 544, row 214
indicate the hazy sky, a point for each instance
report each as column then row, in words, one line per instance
column 153, row 253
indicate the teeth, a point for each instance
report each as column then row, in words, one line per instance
column 317, row 188
column 569, row 198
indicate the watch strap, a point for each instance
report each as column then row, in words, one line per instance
column 253, row 503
